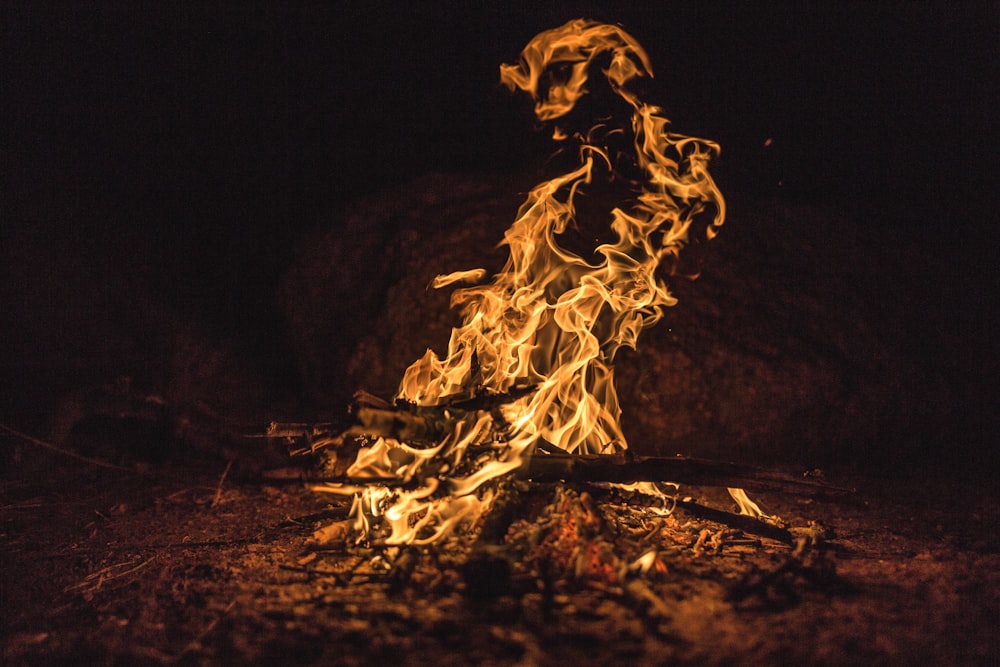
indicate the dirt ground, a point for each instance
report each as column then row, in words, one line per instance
column 183, row 564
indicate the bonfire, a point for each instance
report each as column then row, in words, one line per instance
column 529, row 375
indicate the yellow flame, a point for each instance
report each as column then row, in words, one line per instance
column 575, row 45
column 549, row 318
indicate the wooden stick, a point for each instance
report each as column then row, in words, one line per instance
column 543, row 468
column 747, row 524
column 681, row 469
column 64, row 452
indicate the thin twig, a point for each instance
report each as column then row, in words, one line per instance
column 747, row 524
column 64, row 452
column 218, row 490
column 107, row 574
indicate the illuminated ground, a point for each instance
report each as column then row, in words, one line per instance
column 109, row 567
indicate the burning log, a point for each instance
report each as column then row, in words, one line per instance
column 549, row 466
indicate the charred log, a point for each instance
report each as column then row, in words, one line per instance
column 341, row 451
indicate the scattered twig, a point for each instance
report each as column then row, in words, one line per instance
column 64, row 452
column 95, row 580
column 747, row 524
column 218, row 490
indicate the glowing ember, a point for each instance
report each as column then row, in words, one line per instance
column 531, row 366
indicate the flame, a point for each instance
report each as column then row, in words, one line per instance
column 575, row 45
column 550, row 319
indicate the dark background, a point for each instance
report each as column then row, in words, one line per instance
column 161, row 162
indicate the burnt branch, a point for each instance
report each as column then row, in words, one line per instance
column 681, row 469
column 543, row 467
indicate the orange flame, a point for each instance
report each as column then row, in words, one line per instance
column 549, row 318
column 575, row 45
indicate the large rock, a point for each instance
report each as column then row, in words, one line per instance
column 795, row 345
column 358, row 303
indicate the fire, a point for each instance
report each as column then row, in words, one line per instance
column 530, row 368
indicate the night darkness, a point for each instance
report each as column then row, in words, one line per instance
column 162, row 162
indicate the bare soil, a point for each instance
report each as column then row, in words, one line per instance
column 183, row 564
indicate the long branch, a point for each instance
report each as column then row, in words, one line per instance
column 553, row 467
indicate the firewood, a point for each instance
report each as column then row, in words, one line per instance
column 681, row 469
column 747, row 524
column 553, row 467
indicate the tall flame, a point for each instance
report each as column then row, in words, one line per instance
column 549, row 320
